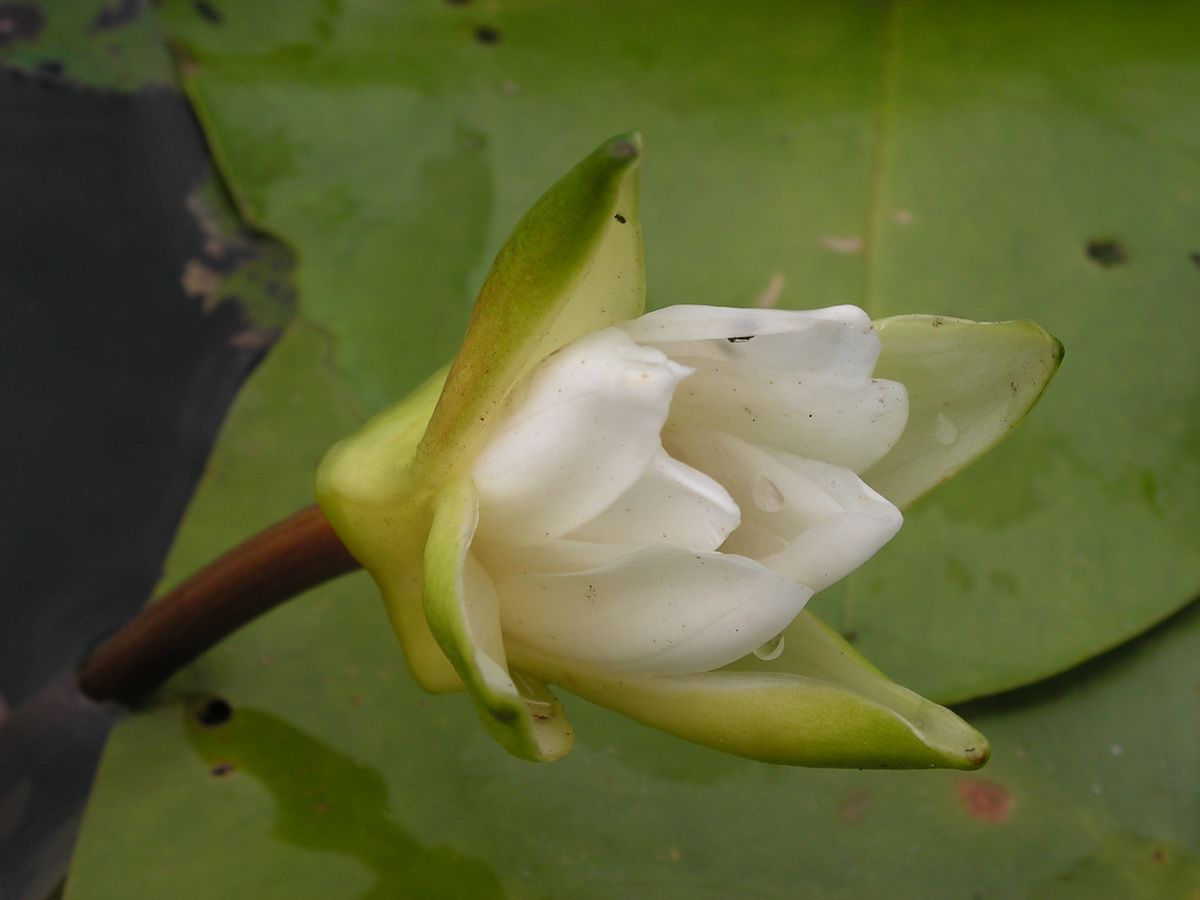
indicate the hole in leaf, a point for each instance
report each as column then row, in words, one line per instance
column 1106, row 251
column 485, row 34
column 213, row 713
column 208, row 12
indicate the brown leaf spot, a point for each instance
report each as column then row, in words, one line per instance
column 201, row 282
column 19, row 22
column 857, row 803
column 769, row 298
column 847, row 243
column 253, row 338
column 984, row 801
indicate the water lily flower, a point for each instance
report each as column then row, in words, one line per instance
column 637, row 508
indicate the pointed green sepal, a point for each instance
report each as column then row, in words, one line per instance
column 572, row 266
column 969, row 384
column 825, row 706
column 464, row 615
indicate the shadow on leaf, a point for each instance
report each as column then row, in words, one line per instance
column 328, row 802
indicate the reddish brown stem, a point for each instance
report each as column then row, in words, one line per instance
column 276, row 564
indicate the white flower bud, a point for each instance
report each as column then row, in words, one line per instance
column 664, row 496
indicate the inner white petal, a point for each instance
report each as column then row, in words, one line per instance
column 805, row 519
column 581, row 429
column 671, row 503
column 839, row 339
column 557, row 557
column 481, row 611
column 657, row 610
column 847, row 421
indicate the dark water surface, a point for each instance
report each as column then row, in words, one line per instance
column 113, row 383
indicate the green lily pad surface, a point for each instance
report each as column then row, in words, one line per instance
column 1017, row 161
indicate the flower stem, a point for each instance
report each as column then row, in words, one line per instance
column 274, row 565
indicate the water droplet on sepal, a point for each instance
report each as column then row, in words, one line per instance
column 772, row 649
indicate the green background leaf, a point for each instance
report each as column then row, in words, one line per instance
column 86, row 45
column 910, row 157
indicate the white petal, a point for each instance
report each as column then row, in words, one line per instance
column 850, row 422
column 672, row 504
column 557, row 557
column 805, row 519
column 838, row 339
column 481, row 612
column 580, row 431
column 657, row 610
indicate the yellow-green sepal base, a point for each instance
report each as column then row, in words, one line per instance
column 366, row 490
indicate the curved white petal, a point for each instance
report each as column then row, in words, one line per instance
column 481, row 615
column 557, row 557
column 839, row 339
column 578, row 433
column 851, row 422
column 671, row 503
column 658, row 610
column 805, row 519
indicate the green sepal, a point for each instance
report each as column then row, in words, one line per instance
column 464, row 615
column 969, row 384
column 821, row 704
column 573, row 265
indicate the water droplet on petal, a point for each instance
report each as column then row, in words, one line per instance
column 767, row 495
column 945, row 432
column 772, row 649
